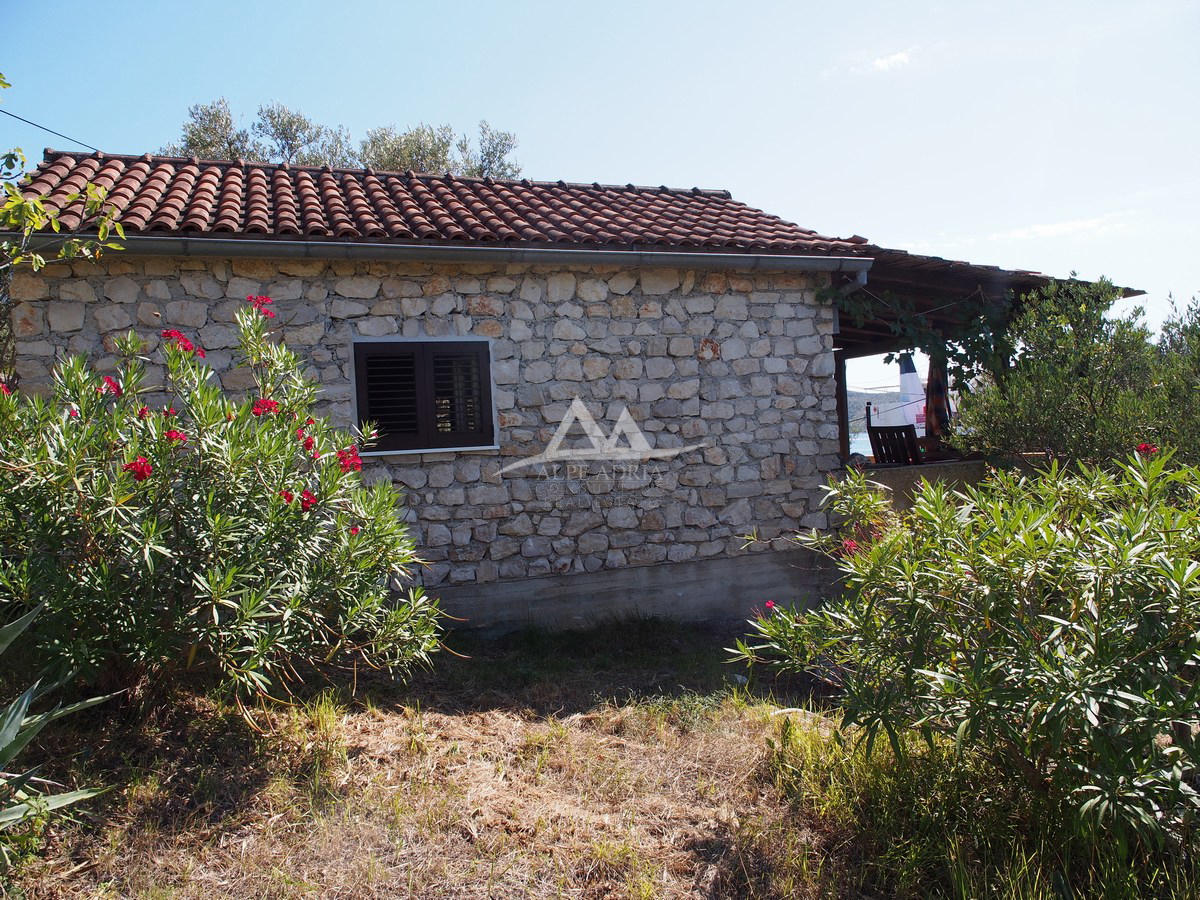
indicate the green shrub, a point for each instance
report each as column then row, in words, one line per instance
column 939, row 823
column 1177, row 384
column 1080, row 385
column 1049, row 623
column 203, row 533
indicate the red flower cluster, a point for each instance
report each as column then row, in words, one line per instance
column 350, row 460
column 144, row 413
column 1147, row 449
column 354, row 529
column 140, row 468
column 308, row 440
column 74, row 414
column 110, row 386
column 307, row 500
column 287, row 496
column 168, row 411
column 174, row 435
column 260, row 303
column 263, row 405
column 173, row 335
column 5, row 389
column 770, row 604
column 849, row 547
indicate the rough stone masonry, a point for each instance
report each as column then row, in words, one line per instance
column 741, row 362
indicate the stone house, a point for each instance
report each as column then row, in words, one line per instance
column 689, row 334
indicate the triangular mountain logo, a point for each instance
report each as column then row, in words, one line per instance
column 625, row 443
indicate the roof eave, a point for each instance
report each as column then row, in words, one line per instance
column 240, row 247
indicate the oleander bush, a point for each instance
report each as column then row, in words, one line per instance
column 203, row 532
column 1048, row 625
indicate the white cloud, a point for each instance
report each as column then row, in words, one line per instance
column 945, row 244
column 860, row 64
column 887, row 63
column 1096, row 225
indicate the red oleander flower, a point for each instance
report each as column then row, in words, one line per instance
column 144, row 412
column 770, row 604
column 350, row 460
column 263, row 405
column 140, row 468
column 260, row 303
column 307, row 500
column 179, row 339
column 1147, row 449
column 849, row 547
column 110, row 386
column 168, row 411
column 5, row 390
column 310, row 421
column 74, row 414
column 309, row 443
column 174, row 435
column 287, row 496
column 354, row 529
column 299, row 434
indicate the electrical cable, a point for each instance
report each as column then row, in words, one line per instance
column 50, row 130
column 925, row 312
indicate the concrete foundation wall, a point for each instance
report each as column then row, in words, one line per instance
column 903, row 481
column 702, row 590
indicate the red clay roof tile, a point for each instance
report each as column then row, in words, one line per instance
column 168, row 195
column 159, row 195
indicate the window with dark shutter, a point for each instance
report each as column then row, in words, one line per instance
column 425, row 395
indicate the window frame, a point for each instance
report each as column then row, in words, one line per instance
column 361, row 347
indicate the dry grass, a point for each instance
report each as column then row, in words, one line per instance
column 622, row 762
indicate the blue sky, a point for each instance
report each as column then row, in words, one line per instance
column 1055, row 136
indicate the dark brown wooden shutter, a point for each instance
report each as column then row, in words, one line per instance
column 457, row 393
column 425, row 395
column 391, row 381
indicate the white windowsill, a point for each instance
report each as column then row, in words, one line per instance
column 379, row 453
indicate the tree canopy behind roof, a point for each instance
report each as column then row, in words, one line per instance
column 281, row 134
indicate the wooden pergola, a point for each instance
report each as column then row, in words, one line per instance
column 945, row 296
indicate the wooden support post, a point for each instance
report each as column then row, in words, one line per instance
column 843, row 412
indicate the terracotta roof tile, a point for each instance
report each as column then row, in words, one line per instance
column 169, row 195
column 159, row 195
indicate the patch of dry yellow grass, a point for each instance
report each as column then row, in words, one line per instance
column 466, row 795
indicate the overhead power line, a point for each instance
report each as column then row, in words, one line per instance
column 51, row 131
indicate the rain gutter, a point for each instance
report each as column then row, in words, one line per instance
column 357, row 250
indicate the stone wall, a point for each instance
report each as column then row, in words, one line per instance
column 741, row 362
